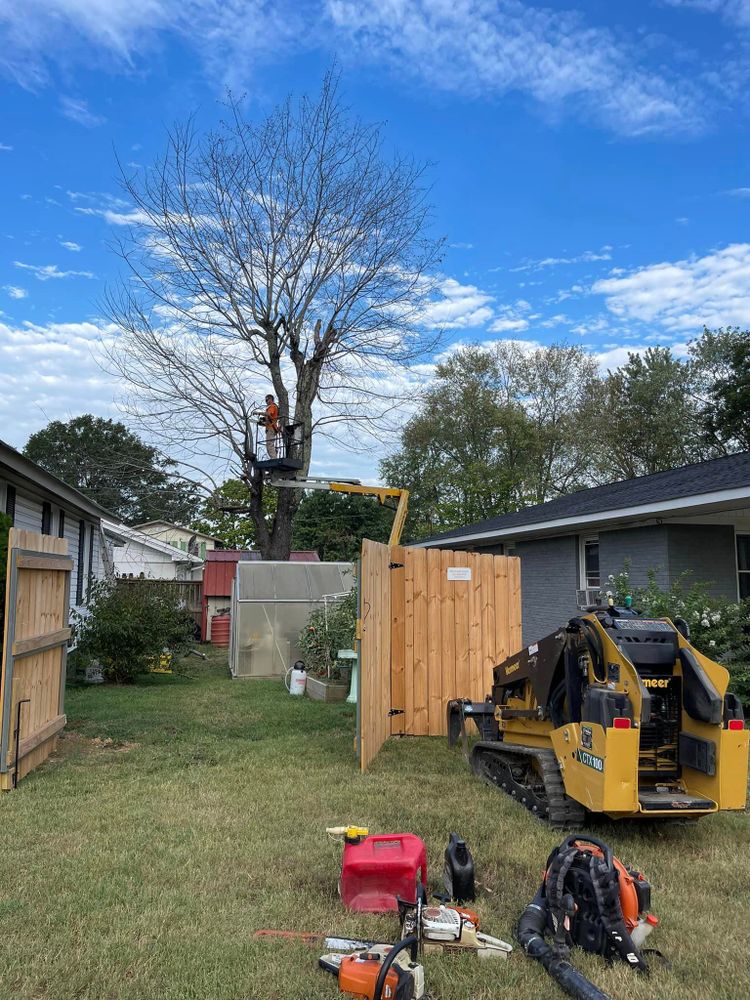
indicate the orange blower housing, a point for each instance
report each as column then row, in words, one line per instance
column 602, row 904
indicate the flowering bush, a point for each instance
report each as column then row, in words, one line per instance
column 327, row 631
column 718, row 628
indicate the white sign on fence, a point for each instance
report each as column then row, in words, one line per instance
column 459, row 573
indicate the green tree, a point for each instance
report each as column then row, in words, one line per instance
column 225, row 515
column 721, row 360
column 114, row 468
column 648, row 417
column 497, row 429
column 334, row 524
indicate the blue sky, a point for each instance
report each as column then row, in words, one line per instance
column 589, row 161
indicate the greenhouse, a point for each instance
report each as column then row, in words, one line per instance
column 271, row 602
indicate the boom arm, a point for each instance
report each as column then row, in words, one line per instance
column 383, row 494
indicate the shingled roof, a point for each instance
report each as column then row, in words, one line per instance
column 731, row 472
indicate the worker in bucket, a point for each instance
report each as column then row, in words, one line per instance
column 269, row 418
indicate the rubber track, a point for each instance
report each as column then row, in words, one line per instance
column 557, row 808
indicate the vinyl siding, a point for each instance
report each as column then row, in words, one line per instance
column 29, row 518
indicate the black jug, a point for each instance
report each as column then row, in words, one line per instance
column 459, row 870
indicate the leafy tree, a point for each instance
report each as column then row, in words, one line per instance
column 648, row 417
column 114, row 468
column 234, row 528
column 334, row 524
column 129, row 624
column 496, row 430
column 290, row 254
column 721, row 361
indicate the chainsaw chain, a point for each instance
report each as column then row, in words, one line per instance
column 494, row 763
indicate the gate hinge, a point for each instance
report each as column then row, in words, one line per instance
column 396, row 711
column 395, row 565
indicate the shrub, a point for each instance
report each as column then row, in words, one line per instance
column 718, row 628
column 128, row 626
column 327, row 631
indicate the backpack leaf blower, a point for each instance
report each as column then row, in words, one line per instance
column 590, row 899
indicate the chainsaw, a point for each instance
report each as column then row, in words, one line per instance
column 382, row 972
column 449, row 928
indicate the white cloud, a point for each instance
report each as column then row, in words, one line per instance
column 50, row 372
column 458, row 306
column 131, row 217
column 740, row 192
column 512, row 317
column 5, row 149
column 474, row 47
column 70, row 245
column 44, row 272
column 734, row 11
column 495, row 47
column 15, row 292
column 587, row 257
column 78, row 111
column 461, row 246
column 686, row 294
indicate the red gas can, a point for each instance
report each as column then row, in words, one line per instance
column 380, row 868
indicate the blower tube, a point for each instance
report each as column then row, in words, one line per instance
column 408, row 942
column 530, row 935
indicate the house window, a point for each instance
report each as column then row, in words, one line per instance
column 743, row 565
column 81, row 561
column 46, row 518
column 203, row 550
column 10, row 502
column 61, row 523
column 589, row 557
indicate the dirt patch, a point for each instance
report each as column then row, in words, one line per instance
column 71, row 743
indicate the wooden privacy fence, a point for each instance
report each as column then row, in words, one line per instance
column 35, row 641
column 433, row 625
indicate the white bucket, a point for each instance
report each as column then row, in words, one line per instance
column 296, row 679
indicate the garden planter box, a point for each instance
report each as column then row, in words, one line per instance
column 321, row 689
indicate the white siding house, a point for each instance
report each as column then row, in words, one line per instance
column 196, row 542
column 135, row 554
column 38, row 501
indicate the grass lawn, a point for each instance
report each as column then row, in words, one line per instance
column 183, row 814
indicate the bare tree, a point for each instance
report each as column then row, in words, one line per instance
column 288, row 255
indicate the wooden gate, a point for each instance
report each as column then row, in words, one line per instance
column 433, row 624
column 32, row 684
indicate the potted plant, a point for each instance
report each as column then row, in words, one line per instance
column 328, row 630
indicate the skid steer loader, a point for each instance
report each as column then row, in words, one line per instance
column 613, row 713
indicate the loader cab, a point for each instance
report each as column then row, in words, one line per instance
column 281, row 452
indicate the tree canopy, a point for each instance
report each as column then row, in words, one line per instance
column 113, row 467
column 289, row 254
column 334, row 524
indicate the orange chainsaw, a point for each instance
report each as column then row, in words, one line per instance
column 382, row 972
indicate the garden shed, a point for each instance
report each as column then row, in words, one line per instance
column 271, row 602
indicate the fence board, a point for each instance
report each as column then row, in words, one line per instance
column 427, row 639
column 398, row 639
column 434, row 647
column 34, row 650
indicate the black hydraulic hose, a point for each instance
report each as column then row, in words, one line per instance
column 530, row 935
column 408, row 942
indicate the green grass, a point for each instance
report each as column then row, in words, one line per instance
column 183, row 814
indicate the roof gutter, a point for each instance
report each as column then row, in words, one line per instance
column 702, row 502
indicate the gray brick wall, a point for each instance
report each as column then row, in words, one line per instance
column 646, row 549
column 707, row 551
column 549, row 580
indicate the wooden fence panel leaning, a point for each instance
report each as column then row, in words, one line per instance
column 35, row 641
column 433, row 624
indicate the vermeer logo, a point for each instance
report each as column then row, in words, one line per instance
column 656, row 682
column 590, row 760
column 512, row 668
